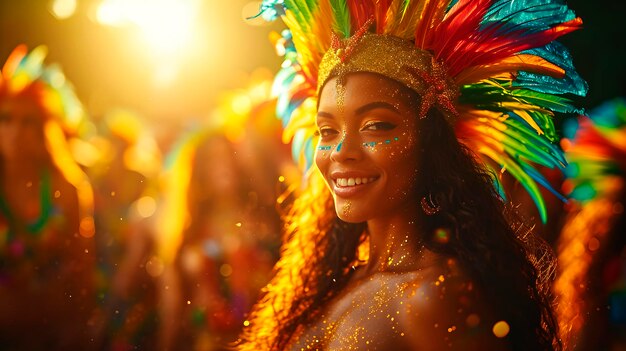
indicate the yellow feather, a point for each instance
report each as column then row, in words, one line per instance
column 405, row 28
column 391, row 18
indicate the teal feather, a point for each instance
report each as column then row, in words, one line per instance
column 530, row 15
column 557, row 54
column 270, row 10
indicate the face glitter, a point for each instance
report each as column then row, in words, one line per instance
column 346, row 208
column 372, row 144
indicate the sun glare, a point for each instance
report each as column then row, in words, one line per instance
column 166, row 25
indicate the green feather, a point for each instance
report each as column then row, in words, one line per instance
column 341, row 23
column 517, row 130
column 551, row 102
column 516, row 148
column 527, row 182
column 299, row 11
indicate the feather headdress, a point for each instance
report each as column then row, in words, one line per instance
column 504, row 72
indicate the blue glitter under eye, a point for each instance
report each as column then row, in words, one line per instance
column 372, row 144
column 324, row 148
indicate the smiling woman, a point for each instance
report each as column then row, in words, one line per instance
column 370, row 165
column 400, row 239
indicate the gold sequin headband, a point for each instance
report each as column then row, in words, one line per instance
column 394, row 58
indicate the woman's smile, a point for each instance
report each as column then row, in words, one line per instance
column 351, row 183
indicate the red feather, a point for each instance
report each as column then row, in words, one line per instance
column 361, row 11
column 432, row 14
column 460, row 43
column 382, row 6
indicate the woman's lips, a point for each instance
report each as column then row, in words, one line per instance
column 351, row 186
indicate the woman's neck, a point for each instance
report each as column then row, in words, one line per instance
column 396, row 244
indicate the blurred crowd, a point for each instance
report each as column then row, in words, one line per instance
column 117, row 235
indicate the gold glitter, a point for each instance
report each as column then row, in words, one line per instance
column 394, row 58
column 346, row 208
column 341, row 93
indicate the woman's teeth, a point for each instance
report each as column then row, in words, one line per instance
column 353, row 181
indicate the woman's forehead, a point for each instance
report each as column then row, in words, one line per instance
column 361, row 87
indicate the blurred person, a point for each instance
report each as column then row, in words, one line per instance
column 400, row 113
column 591, row 282
column 47, row 251
column 216, row 242
column 124, row 179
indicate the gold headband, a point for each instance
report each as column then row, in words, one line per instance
column 394, row 58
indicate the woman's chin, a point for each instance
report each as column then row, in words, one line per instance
column 347, row 213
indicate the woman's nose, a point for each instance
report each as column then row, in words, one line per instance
column 348, row 148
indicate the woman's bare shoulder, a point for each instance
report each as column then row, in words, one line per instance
column 444, row 309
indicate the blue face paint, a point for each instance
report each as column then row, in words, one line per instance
column 343, row 137
column 372, row 144
column 324, row 148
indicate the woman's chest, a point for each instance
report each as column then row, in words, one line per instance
column 368, row 315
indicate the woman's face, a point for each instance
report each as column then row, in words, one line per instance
column 21, row 130
column 367, row 150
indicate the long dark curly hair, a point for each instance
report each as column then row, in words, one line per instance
column 319, row 249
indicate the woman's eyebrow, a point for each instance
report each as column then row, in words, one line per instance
column 374, row 105
column 325, row 114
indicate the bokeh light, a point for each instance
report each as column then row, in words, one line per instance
column 62, row 9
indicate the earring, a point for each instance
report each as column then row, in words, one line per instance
column 429, row 206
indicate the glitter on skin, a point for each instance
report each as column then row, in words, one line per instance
column 372, row 144
column 346, row 208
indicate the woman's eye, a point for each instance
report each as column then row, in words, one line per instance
column 379, row 126
column 326, row 132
